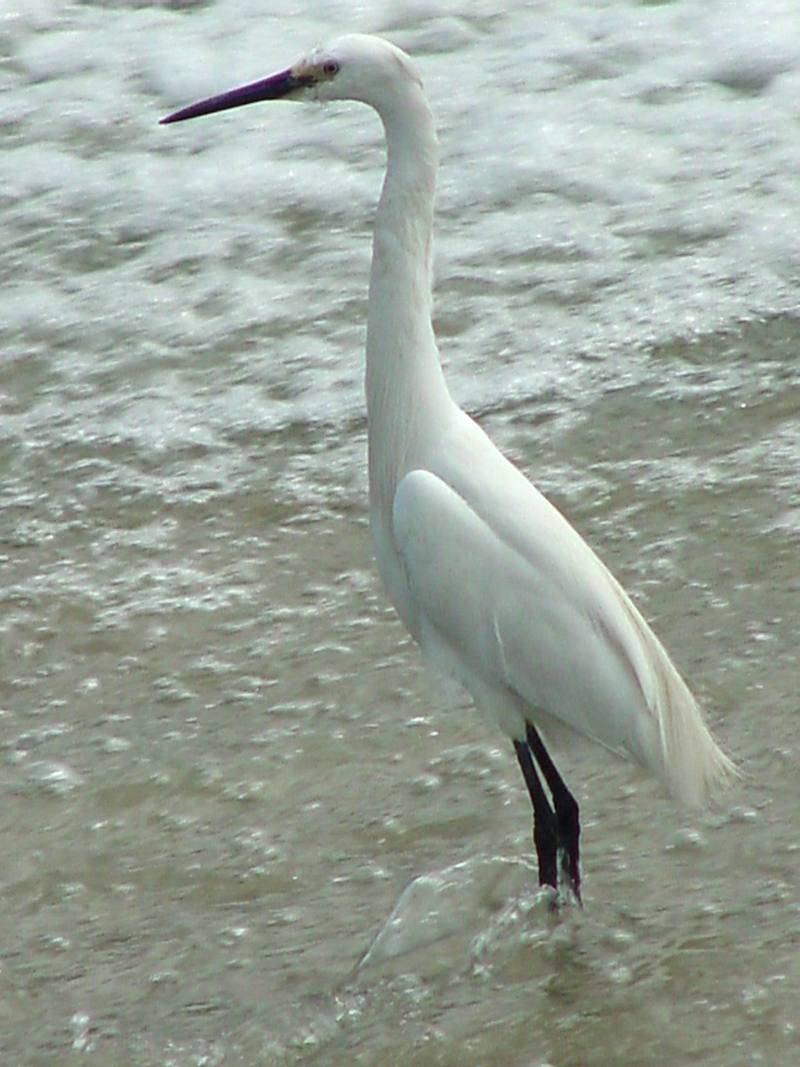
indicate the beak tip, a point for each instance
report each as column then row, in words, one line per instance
column 174, row 116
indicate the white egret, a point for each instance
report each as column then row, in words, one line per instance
column 492, row 581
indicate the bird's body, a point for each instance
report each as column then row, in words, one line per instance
column 494, row 584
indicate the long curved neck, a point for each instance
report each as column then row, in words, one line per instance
column 406, row 392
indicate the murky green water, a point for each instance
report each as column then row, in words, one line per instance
column 222, row 760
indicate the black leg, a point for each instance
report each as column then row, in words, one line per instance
column 566, row 813
column 545, row 827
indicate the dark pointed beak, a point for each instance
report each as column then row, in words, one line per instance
column 272, row 88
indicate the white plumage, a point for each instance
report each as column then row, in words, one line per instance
column 495, row 585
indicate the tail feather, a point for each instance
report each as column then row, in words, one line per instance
column 688, row 759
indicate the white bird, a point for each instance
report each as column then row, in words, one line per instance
column 491, row 580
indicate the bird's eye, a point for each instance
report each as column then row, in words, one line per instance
column 330, row 67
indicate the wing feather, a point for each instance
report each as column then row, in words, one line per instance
column 530, row 609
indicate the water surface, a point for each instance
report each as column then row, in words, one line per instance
column 222, row 760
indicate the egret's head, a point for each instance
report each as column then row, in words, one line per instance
column 355, row 67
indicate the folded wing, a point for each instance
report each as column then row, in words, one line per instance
column 515, row 601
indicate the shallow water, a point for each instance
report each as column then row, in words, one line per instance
column 223, row 762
